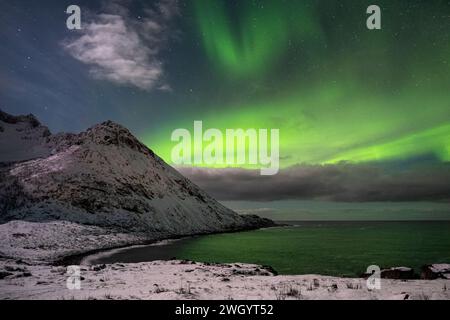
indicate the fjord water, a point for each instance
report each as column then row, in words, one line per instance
column 344, row 248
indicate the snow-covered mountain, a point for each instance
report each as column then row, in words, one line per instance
column 22, row 138
column 104, row 177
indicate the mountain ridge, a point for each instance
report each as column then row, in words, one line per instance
column 104, row 176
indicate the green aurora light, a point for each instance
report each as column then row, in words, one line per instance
column 337, row 91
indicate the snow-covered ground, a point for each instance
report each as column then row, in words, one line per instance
column 47, row 242
column 189, row 280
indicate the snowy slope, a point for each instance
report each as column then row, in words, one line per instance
column 104, row 177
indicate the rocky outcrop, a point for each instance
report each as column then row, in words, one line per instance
column 10, row 119
column 105, row 177
column 436, row 271
column 428, row 272
column 400, row 273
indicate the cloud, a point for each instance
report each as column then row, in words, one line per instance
column 125, row 50
column 343, row 182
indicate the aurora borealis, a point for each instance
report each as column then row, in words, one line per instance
column 252, row 42
column 338, row 92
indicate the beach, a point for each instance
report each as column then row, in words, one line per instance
column 38, row 276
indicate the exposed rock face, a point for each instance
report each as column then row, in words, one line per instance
column 103, row 176
column 436, row 271
column 396, row 273
column 400, row 273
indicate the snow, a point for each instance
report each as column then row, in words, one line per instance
column 106, row 177
column 28, row 248
column 47, row 242
column 440, row 268
column 70, row 194
column 184, row 280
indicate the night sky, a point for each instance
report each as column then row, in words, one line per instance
column 339, row 93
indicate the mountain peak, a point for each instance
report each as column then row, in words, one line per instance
column 22, row 138
column 10, row 119
column 109, row 127
column 112, row 133
column 103, row 176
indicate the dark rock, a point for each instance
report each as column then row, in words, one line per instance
column 400, row 273
column 271, row 270
column 316, row 283
column 22, row 274
column 254, row 272
column 4, row 274
column 435, row 271
column 31, row 119
column 20, row 261
column 396, row 273
column 19, row 235
column 15, row 269
column 98, row 267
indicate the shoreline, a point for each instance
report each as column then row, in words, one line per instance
column 85, row 260
column 87, row 256
column 171, row 279
column 78, row 258
column 63, row 242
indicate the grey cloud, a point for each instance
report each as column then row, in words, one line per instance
column 342, row 182
column 122, row 49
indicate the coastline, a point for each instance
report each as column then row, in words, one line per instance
column 171, row 279
column 81, row 258
column 65, row 242
column 88, row 258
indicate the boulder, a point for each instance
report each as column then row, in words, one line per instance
column 436, row 271
column 401, row 273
